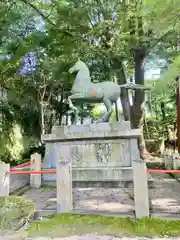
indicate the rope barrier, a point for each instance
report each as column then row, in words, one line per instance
column 51, row 171
column 19, row 169
column 16, row 169
column 22, row 165
column 33, row 172
column 162, row 171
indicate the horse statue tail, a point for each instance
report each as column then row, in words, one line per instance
column 134, row 86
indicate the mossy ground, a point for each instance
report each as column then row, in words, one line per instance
column 75, row 224
column 15, row 211
column 48, row 187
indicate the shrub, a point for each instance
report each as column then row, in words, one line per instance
column 15, row 212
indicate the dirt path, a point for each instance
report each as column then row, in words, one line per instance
column 110, row 200
column 165, row 198
column 93, row 237
column 165, row 203
column 86, row 237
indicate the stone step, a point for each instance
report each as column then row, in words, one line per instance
column 155, row 164
column 90, row 175
column 103, row 167
column 45, row 213
column 166, row 216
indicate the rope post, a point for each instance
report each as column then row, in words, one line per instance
column 4, row 179
column 176, row 161
column 35, row 179
column 141, row 196
column 63, row 180
column 168, row 160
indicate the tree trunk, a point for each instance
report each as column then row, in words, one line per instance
column 117, row 112
column 61, row 107
column 42, row 118
column 82, row 113
column 163, row 111
column 118, row 65
column 125, row 104
column 67, row 118
column 49, row 125
column 137, row 110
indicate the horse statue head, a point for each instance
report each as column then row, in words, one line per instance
column 79, row 65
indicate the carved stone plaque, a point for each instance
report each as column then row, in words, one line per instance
column 75, row 154
column 103, row 152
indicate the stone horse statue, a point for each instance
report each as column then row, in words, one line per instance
column 85, row 91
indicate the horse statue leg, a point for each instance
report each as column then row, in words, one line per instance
column 106, row 116
column 76, row 96
column 71, row 105
column 74, row 116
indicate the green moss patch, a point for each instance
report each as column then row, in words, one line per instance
column 48, row 187
column 15, row 212
column 75, row 224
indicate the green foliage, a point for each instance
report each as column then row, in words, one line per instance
column 154, row 129
column 14, row 143
column 102, row 33
column 11, row 144
column 98, row 113
column 162, row 107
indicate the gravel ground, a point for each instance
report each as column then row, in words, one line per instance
column 93, row 237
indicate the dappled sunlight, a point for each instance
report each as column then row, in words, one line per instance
column 168, row 205
column 105, row 206
column 100, row 199
column 165, row 196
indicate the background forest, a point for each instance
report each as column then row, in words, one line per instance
column 118, row 39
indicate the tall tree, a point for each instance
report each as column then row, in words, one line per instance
column 111, row 34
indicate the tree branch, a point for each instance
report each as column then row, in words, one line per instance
column 51, row 10
column 46, row 17
column 160, row 38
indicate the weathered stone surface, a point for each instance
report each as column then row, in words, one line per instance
column 18, row 181
column 98, row 152
column 91, row 131
column 64, row 179
column 4, row 179
column 35, row 179
column 141, row 197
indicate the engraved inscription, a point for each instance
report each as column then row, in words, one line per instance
column 103, row 152
column 63, row 163
column 74, row 134
column 75, row 154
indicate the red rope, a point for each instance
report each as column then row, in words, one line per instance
column 162, row 171
column 54, row 171
column 33, row 172
column 22, row 165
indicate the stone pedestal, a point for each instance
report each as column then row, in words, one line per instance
column 99, row 153
column 96, row 153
